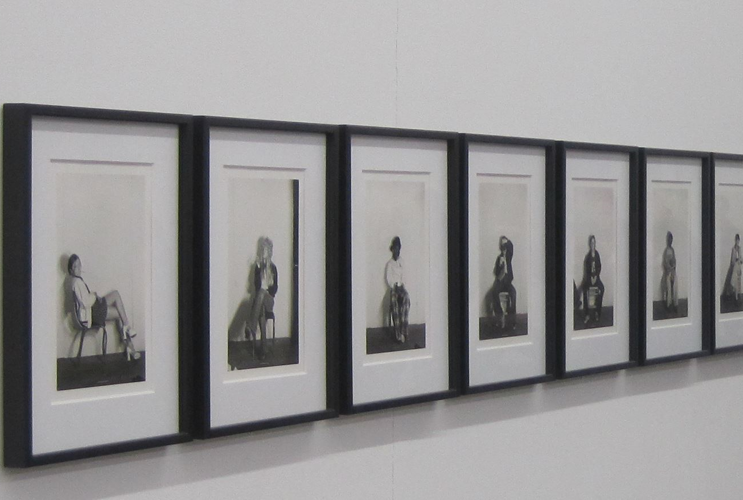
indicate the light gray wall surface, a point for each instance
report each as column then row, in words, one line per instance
column 655, row 73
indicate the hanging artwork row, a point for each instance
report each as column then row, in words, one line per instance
column 187, row 277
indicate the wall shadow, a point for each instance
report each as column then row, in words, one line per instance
column 194, row 462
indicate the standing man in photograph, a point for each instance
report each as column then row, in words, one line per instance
column 399, row 298
column 668, row 288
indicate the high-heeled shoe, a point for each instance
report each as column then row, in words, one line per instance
column 126, row 337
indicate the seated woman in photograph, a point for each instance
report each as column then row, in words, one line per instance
column 592, row 280
column 266, row 282
column 668, row 291
column 503, row 271
column 732, row 287
column 93, row 310
column 399, row 298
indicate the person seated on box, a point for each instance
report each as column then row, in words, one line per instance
column 266, row 282
column 399, row 297
column 668, row 286
column 93, row 311
column 503, row 272
column 592, row 280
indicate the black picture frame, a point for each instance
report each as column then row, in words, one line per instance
column 17, row 263
column 347, row 403
column 203, row 126
column 635, row 263
column 552, row 286
column 710, row 220
column 708, row 254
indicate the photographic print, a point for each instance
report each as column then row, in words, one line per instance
column 729, row 227
column 594, row 214
column 97, row 281
column 507, row 214
column 670, row 243
column 103, row 233
column 397, row 263
column 600, row 275
column 676, row 252
column 263, row 298
column 396, row 215
column 504, row 252
column 266, row 205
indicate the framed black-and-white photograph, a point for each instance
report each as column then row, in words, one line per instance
column 400, row 267
column 267, row 227
column 97, row 324
column 673, row 185
column 508, row 223
column 726, row 175
column 599, row 249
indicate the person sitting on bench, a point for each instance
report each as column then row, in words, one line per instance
column 592, row 279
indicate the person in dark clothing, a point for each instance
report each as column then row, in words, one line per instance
column 503, row 272
column 668, row 284
column 266, row 282
column 592, row 279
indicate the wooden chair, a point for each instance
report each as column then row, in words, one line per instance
column 271, row 316
column 253, row 336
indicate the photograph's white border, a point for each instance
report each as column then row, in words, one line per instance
column 684, row 335
column 585, row 349
column 64, row 420
column 407, row 373
column 729, row 328
column 244, row 396
column 510, row 358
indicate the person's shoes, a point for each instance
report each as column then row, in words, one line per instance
column 586, row 319
column 127, row 333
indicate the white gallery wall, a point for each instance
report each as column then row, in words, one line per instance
column 656, row 73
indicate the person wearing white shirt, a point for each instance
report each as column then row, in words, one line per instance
column 93, row 310
column 399, row 297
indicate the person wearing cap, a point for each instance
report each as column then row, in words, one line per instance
column 399, row 297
